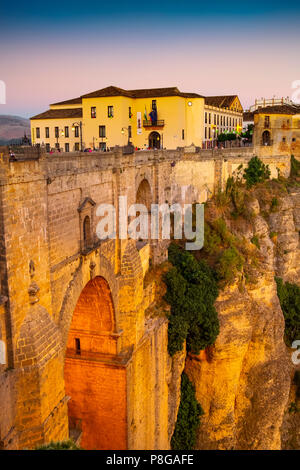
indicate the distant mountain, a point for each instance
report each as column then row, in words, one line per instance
column 12, row 128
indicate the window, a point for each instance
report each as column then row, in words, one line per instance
column 267, row 121
column 209, row 134
column 129, row 112
column 67, row 147
column 102, row 146
column 57, row 145
column 154, row 105
column 182, row 134
column 215, row 117
column 38, row 134
column 93, row 112
column 206, row 132
column 129, row 132
column 47, row 148
column 76, row 131
column 283, row 139
column 205, row 118
column 230, row 122
column 47, row 133
column 56, row 132
column 110, row 111
column 102, row 131
column 209, row 118
column 294, row 139
column 87, row 239
column 66, row 131
column 76, row 146
column 218, row 119
column 221, row 120
column 77, row 346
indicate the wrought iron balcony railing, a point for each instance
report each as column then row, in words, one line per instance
column 158, row 123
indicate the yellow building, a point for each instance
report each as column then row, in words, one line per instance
column 110, row 116
column 277, row 130
column 149, row 118
column 221, row 114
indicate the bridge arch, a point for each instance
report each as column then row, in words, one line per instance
column 95, row 379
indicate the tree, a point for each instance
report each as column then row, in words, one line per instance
column 256, row 172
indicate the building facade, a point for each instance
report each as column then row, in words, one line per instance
column 222, row 114
column 277, row 130
column 153, row 118
column 148, row 118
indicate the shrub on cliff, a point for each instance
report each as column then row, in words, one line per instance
column 188, row 418
column 256, row 172
column 295, row 167
column 191, row 292
column 289, row 297
column 60, row 445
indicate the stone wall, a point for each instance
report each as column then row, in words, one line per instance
column 45, row 265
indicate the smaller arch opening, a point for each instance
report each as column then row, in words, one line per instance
column 154, row 140
column 87, row 236
column 266, row 138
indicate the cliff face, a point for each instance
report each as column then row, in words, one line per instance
column 243, row 382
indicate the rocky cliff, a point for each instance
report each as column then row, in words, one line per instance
column 243, row 382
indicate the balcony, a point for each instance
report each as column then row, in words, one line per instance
column 158, row 123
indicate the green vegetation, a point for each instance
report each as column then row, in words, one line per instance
column 289, row 297
column 227, row 136
column 293, row 408
column 297, row 383
column 188, row 418
column 223, row 249
column 230, row 262
column 255, row 241
column 295, row 167
column 256, row 172
column 61, row 445
column 274, row 204
column 191, row 292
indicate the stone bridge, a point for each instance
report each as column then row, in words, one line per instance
column 79, row 354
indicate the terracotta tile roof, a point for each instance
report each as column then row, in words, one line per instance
column 72, row 101
column 248, row 116
column 59, row 114
column 279, row 109
column 220, row 101
column 142, row 93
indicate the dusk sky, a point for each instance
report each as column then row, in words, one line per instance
column 59, row 50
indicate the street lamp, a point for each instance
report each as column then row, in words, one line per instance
column 80, row 131
column 123, row 132
column 57, row 136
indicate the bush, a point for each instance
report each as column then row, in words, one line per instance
column 255, row 241
column 191, row 292
column 297, row 383
column 230, row 262
column 188, row 418
column 274, row 204
column 289, row 297
column 256, row 172
column 295, row 167
column 61, row 445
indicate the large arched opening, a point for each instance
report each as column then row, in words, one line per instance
column 95, row 379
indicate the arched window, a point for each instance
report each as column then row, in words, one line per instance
column 87, row 239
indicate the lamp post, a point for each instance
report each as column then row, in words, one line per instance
column 57, row 136
column 80, row 132
column 123, row 132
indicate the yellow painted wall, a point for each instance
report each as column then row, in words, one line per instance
column 174, row 110
column 52, row 123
